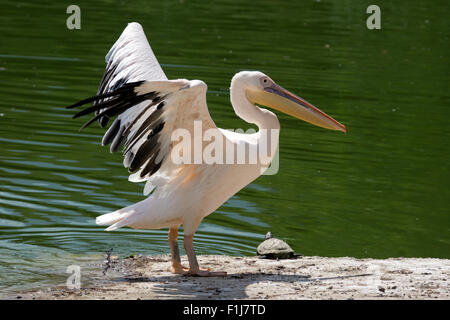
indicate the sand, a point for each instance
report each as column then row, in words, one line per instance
column 148, row 277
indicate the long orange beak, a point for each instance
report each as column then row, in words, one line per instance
column 282, row 100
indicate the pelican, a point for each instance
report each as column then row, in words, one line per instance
column 148, row 109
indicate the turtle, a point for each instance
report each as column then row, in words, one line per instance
column 273, row 248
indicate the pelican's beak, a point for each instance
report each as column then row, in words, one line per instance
column 282, row 100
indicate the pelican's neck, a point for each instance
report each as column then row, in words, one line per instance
column 249, row 112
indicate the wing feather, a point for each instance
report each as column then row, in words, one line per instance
column 148, row 108
column 130, row 59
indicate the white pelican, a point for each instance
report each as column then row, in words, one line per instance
column 149, row 108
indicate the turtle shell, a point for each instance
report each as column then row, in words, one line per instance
column 274, row 248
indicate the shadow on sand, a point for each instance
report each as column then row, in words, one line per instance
column 234, row 285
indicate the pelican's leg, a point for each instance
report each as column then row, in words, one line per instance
column 173, row 243
column 194, row 269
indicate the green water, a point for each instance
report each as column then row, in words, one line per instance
column 382, row 190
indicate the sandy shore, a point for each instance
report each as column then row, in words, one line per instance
column 143, row 277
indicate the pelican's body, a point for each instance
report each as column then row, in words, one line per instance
column 151, row 110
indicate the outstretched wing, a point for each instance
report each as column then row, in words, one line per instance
column 130, row 59
column 148, row 108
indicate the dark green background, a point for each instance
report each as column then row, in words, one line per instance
column 382, row 190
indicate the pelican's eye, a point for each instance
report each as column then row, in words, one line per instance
column 266, row 81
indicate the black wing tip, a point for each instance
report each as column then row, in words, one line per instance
column 76, row 115
column 111, row 132
column 75, row 105
column 103, row 121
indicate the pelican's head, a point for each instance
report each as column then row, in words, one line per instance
column 261, row 89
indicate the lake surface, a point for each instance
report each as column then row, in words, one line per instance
column 382, row 190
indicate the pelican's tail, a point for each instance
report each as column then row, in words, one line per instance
column 121, row 217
